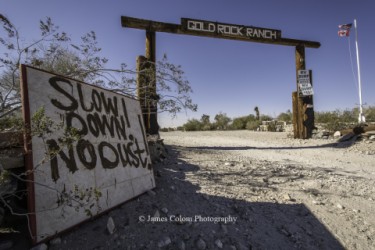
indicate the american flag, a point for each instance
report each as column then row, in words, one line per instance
column 344, row 32
column 344, row 29
column 345, row 26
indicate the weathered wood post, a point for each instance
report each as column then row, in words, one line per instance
column 153, row 127
column 296, row 128
column 142, row 90
column 146, row 85
column 303, row 111
column 298, row 106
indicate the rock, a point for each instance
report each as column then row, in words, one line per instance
column 322, row 134
column 337, row 134
column 240, row 246
column 340, row 206
column 111, row 226
column 218, row 243
column 316, row 202
column 157, row 149
column 5, row 245
column 372, row 138
column 201, row 244
column 164, row 242
column 40, row 247
column 55, row 241
column 186, row 236
column 158, row 173
column 348, row 137
column 151, row 193
column 287, row 197
column 224, row 228
column 181, row 245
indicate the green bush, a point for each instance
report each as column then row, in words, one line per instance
column 193, row 125
column 11, row 122
column 239, row 123
column 253, row 125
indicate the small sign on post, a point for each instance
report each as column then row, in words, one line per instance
column 304, row 83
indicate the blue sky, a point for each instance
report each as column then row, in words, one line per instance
column 228, row 76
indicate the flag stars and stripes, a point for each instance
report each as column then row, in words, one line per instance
column 344, row 29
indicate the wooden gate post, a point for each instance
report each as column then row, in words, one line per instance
column 296, row 127
column 153, row 127
column 297, row 104
column 142, row 90
column 303, row 111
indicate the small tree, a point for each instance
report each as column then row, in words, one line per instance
column 286, row 117
column 265, row 118
column 53, row 51
column 193, row 125
column 257, row 113
column 253, row 124
column 239, row 122
column 222, row 121
column 205, row 120
column 370, row 114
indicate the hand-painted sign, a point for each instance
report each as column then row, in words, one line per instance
column 92, row 156
column 230, row 30
column 304, row 83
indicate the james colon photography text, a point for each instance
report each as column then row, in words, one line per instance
column 195, row 218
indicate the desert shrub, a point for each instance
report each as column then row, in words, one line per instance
column 272, row 127
column 193, row 125
column 222, row 121
column 239, row 123
column 370, row 114
column 286, row 117
column 252, row 125
column 13, row 122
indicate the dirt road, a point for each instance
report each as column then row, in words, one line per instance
column 246, row 190
column 309, row 193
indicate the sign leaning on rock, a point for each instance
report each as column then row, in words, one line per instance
column 91, row 154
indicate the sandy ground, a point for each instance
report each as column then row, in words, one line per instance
column 245, row 190
column 333, row 186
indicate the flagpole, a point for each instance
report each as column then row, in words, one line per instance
column 361, row 117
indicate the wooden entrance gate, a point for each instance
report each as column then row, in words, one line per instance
column 303, row 111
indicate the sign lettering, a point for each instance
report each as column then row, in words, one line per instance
column 230, row 30
column 304, row 83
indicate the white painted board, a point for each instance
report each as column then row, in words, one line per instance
column 107, row 164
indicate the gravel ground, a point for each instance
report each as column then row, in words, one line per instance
column 245, row 190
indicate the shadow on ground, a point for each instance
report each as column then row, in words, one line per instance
column 186, row 218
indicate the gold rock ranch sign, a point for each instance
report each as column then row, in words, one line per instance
column 230, row 30
column 303, row 113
